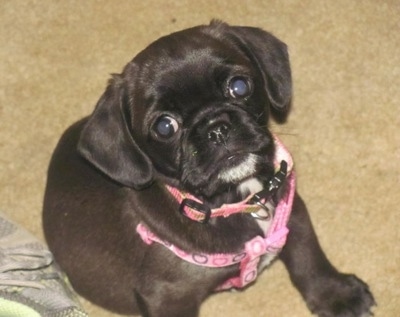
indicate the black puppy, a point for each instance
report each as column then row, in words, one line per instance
column 132, row 210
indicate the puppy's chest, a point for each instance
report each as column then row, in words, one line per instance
column 252, row 186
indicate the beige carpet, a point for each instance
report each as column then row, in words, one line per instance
column 55, row 59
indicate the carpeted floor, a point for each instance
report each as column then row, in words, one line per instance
column 55, row 59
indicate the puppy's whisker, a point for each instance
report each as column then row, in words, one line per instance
column 260, row 115
column 286, row 133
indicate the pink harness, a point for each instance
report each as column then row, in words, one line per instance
column 249, row 257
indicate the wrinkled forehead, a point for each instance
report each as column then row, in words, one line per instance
column 201, row 67
column 190, row 55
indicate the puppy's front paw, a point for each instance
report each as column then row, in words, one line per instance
column 344, row 295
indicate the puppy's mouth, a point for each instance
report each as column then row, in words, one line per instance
column 239, row 167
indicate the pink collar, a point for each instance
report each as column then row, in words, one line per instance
column 194, row 209
column 249, row 257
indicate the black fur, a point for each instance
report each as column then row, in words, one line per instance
column 108, row 173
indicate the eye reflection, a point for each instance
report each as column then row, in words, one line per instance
column 166, row 127
column 239, row 87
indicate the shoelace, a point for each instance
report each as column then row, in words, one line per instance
column 22, row 267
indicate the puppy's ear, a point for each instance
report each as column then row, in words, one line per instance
column 272, row 58
column 106, row 141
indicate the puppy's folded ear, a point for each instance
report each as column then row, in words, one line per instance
column 106, row 141
column 272, row 58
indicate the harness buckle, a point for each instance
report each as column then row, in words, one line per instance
column 266, row 195
column 199, row 207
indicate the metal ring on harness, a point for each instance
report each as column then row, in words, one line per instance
column 263, row 207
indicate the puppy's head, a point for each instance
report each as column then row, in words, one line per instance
column 192, row 110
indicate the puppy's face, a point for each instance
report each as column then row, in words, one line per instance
column 204, row 120
column 196, row 105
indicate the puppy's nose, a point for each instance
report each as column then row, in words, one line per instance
column 219, row 133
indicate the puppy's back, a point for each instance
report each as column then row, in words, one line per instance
column 82, row 221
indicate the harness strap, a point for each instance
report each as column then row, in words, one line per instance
column 195, row 210
column 249, row 257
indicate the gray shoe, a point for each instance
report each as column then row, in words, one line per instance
column 31, row 284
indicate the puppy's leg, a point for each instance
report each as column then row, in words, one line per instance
column 328, row 293
column 171, row 287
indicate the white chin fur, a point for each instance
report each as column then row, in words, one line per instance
column 243, row 170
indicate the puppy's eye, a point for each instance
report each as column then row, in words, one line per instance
column 165, row 127
column 239, row 87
